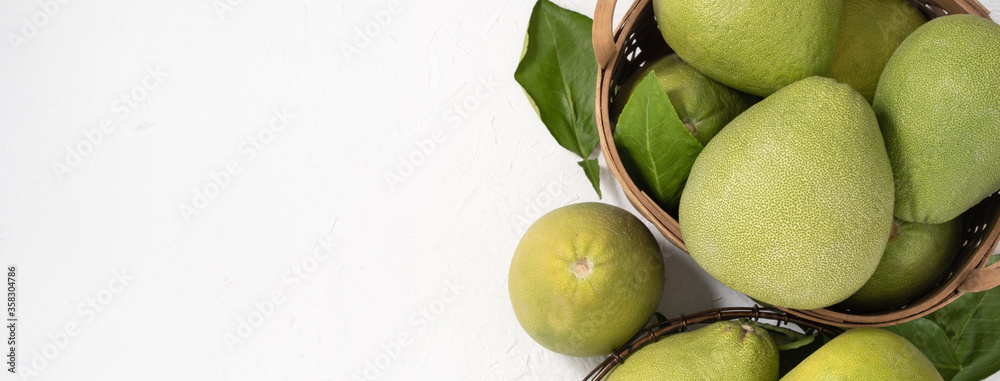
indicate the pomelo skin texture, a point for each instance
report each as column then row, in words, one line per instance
column 704, row 105
column 791, row 203
column 870, row 30
column 916, row 258
column 723, row 351
column 869, row 354
column 755, row 46
column 585, row 278
column 938, row 104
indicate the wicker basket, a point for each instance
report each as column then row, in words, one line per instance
column 637, row 40
column 659, row 330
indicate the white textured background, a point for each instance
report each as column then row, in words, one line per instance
column 365, row 233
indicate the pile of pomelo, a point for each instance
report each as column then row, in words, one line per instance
column 869, row 113
column 842, row 139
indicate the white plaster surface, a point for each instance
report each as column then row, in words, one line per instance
column 241, row 220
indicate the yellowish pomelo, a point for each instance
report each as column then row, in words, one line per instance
column 704, row 105
column 755, row 46
column 870, row 30
column 585, row 278
column 868, row 354
column 915, row 259
column 938, row 104
column 791, row 203
column 723, row 351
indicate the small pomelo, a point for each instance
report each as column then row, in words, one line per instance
column 585, row 278
column 755, row 46
column 723, row 351
column 791, row 203
column 938, row 104
column 915, row 259
column 870, row 30
column 869, row 354
column 703, row 104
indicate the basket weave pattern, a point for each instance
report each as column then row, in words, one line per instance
column 637, row 41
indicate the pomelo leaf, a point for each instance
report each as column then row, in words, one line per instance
column 933, row 342
column 558, row 72
column 655, row 144
column 593, row 171
column 784, row 338
column 962, row 339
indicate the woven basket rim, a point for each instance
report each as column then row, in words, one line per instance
column 971, row 274
column 659, row 330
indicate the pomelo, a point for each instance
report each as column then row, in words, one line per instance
column 755, row 46
column 915, row 259
column 938, row 104
column 703, row 104
column 791, row 203
column 869, row 354
column 585, row 278
column 723, row 351
column 870, row 30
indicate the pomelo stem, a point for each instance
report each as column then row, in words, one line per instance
column 581, row 268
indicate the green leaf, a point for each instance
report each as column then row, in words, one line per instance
column 785, row 338
column 962, row 339
column 933, row 342
column 558, row 71
column 653, row 141
column 593, row 171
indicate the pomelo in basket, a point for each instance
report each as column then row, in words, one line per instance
column 915, row 259
column 870, row 31
column 723, row 351
column 585, row 278
column 938, row 104
column 791, row 203
column 755, row 46
column 702, row 104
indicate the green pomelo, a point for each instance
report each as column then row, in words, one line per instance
column 755, row 46
column 585, row 278
column 869, row 354
column 870, row 30
column 704, row 105
column 915, row 259
column 723, row 351
column 938, row 103
column 791, row 203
